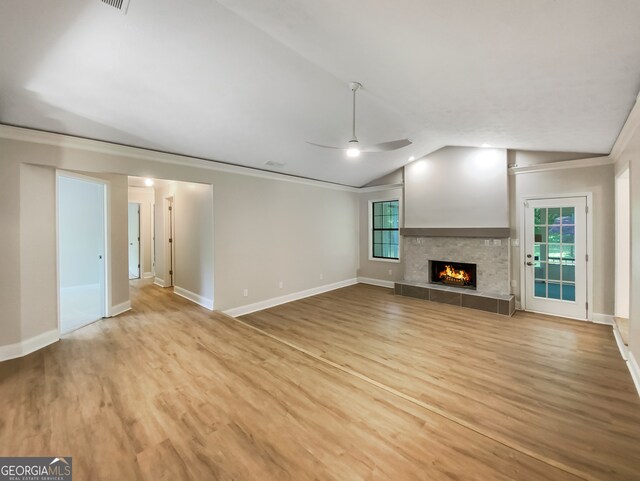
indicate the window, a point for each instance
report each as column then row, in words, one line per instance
column 385, row 229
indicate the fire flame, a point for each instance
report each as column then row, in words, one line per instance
column 451, row 273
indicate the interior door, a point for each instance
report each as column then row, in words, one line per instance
column 555, row 256
column 134, row 241
column 81, row 252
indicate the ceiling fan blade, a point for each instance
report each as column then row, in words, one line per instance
column 326, row 146
column 387, row 146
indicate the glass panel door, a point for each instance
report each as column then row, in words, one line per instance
column 555, row 256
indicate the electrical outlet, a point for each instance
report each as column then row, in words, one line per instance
column 487, row 242
column 321, row 276
column 515, row 242
column 497, row 242
column 280, row 284
column 245, row 293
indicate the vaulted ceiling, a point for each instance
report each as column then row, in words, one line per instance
column 249, row 81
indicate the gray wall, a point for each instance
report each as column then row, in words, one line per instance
column 457, row 187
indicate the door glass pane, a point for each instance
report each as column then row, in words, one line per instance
column 540, row 289
column 554, row 233
column 377, row 221
column 553, row 215
column 377, row 208
column 539, row 216
column 568, row 234
column 568, row 292
column 554, row 251
column 543, row 252
column 554, row 271
column 568, row 254
column 568, row 215
column 541, row 270
column 377, row 250
column 553, row 290
column 377, row 237
column 568, row 273
column 540, row 234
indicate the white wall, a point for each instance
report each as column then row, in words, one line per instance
column 457, row 187
column 145, row 197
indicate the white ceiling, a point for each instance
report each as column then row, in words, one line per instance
column 248, row 81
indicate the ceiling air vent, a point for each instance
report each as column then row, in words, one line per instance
column 271, row 163
column 122, row 5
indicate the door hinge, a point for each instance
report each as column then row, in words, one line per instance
column 170, row 208
column 586, row 257
column 586, row 306
column 170, row 273
column 586, row 209
column 170, row 241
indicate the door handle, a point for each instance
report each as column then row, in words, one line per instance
column 529, row 263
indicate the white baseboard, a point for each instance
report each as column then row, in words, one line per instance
column 159, row 282
column 120, row 308
column 621, row 346
column 634, row 369
column 28, row 346
column 602, row 318
column 193, row 297
column 147, row 275
column 376, row 282
column 276, row 301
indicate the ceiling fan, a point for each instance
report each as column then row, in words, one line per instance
column 353, row 147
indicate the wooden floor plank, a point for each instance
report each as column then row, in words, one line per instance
column 170, row 390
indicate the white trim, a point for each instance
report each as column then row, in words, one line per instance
column 376, row 282
column 631, row 125
column 624, row 351
column 276, row 301
column 602, row 318
column 119, row 308
column 193, row 297
column 88, row 145
column 634, row 369
column 28, row 346
column 159, row 282
column 565, row 164
column 147, row 275
column 378, row 188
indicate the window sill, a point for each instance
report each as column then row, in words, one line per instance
column 380, row 259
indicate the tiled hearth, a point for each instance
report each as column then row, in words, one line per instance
column 492, row 276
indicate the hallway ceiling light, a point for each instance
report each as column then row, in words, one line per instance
column 148, row 182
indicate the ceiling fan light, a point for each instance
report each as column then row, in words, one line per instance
column 353, row 152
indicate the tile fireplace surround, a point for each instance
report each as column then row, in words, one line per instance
column 492, row 293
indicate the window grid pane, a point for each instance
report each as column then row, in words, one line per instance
column 385, row 230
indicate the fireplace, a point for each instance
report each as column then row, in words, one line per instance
column 456, row 274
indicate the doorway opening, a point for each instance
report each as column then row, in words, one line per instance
column 82, row 250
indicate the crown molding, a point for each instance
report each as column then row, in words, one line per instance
column 565, row 164
column 630, row 127
column 378, row 188
column 23, row 134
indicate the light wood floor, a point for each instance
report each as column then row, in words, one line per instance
column 335, row 390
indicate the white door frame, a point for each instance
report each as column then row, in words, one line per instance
column 107, row 239
column 521, row 213
column 622, row 257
